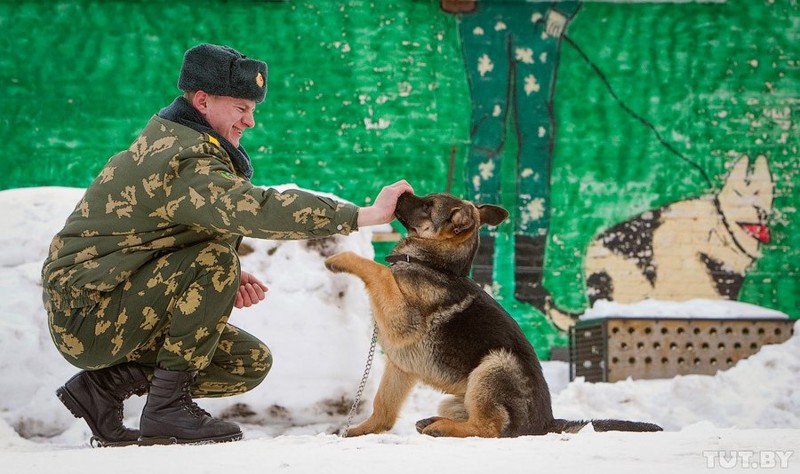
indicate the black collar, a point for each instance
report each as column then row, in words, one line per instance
column 397, row 258
column 392, row 259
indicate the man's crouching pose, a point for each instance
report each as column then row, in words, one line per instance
column 140, row 282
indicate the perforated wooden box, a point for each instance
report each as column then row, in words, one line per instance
column 613, row 349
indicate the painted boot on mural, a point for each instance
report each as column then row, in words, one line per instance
column 97, row 396
column 483, row 263
column 529, row 270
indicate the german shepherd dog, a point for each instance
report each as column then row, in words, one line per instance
column 437, row 326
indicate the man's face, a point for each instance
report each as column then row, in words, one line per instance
column 229, row 116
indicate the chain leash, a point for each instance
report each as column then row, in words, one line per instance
column 363, row 383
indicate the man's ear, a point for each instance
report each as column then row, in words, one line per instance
column 492, row 215
column 200, row 101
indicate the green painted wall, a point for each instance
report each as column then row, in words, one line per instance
column 365, row 92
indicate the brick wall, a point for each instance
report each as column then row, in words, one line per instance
column 653, row 105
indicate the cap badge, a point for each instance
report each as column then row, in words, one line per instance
column 260, row 80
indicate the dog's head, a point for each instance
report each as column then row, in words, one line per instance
column 746, row 203
column 445, row 217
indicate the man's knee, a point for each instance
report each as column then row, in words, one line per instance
column 259, row 370
column 258, row 365
column 240, row 364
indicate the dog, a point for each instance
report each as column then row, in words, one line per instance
column 437, row 326
column 694, row 248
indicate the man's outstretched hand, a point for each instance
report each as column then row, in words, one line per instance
column 382, row 210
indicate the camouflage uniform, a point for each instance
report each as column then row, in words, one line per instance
column 145, row 268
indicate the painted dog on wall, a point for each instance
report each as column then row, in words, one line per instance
column 695, row 248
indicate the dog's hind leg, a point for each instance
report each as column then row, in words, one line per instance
column 488, row 424
column 393, row 390
column 484, row 416
column 492, row 390
column 453, row 408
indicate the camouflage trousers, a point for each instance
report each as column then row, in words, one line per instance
column 172, row 314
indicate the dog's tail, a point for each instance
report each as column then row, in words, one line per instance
column 569, row 426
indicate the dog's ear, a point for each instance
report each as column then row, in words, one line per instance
column 492, row 215
column 462, row 220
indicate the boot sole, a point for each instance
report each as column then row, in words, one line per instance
column 96, row 442
column 161, row 440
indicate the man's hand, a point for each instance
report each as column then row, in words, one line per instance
column 251, row 291
column 382, row 210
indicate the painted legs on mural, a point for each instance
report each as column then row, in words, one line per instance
column 483, row 264
column 511, row 72
column 529, row 271
column 488, row 68
column 533, row 119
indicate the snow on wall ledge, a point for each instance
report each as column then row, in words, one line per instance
column 698, row 308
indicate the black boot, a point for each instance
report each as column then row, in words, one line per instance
column 483, row 263
column 170, row 413
column 529, row 271
column 97, row 396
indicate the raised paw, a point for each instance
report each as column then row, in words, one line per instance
column 338, row 263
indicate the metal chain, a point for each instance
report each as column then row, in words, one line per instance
column 363, row 383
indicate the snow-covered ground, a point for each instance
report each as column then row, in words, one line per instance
column 318, row 327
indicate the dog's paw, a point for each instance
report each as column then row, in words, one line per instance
column 350, row 433
column 422, row 424
column 369, row 426
column 337, row 263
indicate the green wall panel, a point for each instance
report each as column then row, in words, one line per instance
column 362, row 93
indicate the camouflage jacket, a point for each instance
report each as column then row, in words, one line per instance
column 174, row 187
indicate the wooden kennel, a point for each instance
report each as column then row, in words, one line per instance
column 613, row 349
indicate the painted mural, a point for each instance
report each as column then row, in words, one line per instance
column 511, row 57
column 645, row 149
column 695, row 248
column 698, row 247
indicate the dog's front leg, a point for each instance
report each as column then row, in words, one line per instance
column 393, row 390
column 388, row 302
column 369, row 271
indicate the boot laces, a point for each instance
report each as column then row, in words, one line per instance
column 190, row 405
column 195, row 409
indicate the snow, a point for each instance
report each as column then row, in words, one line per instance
column 318, row 327
column 694, row 308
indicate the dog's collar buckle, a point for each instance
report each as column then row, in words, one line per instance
column 392, row 259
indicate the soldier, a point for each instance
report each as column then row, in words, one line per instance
column 140, row 282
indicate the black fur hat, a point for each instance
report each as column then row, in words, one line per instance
column 220, row 70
